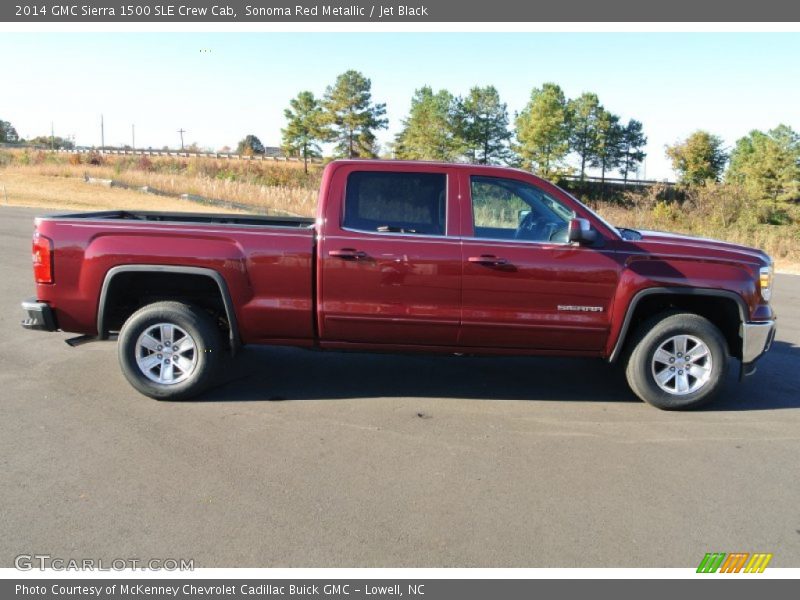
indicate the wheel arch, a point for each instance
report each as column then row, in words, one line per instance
column 649, row 301
column 218, row 280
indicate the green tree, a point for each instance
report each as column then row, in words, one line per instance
column 585, row 112
column 429, row 132
column 607, row 153
column 351, row 116
column 542, row 131
column 698, row 158
column 482, row 125
column 250, row 145
column 7, row 133
column 631, row 147
column 768, row 163
column 54, row 142
column 304, row 128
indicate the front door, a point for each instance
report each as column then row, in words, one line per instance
column 525, row 286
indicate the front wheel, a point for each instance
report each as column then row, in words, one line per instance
column 170, row 350
column 678, row 361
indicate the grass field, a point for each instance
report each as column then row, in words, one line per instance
column 57, row 182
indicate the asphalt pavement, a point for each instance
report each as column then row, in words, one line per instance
column 355, row 460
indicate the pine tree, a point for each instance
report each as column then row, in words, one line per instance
column 542, row 130
column 585, row 112
column 482, row 124
column 631, row 147
column 304, row 128
column 607, row 153
column 351, row 117
column 429, row 132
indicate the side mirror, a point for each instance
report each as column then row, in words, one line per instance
column 580, row 231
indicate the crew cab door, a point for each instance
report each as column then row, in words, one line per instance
column 525, row 286
column 389, row 258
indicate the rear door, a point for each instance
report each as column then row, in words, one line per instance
column 390, row 258
column 525, row 287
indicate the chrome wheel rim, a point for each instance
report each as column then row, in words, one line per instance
column 166, row 354
column 682, row 365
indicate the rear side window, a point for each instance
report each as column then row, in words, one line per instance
column 391, row 202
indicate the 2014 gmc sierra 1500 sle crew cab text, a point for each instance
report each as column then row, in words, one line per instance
column 409, row 257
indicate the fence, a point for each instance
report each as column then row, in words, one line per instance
column 149, row 152
column 620, row 181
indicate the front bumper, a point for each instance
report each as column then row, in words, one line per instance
column 39, row 317
column 756, row 340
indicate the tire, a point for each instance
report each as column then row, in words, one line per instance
column 165, row 368
column 656, row 364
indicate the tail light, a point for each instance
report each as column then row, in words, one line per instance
column 42, row 259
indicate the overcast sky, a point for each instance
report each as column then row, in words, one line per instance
column 221, row 86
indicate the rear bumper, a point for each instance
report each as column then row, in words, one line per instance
column 756, row 340
column 38, row 316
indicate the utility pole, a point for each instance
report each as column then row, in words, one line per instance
column 52, row 137
column 181, row 131
column 102, row 135
column 133, row 136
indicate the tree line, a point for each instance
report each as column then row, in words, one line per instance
column 766, row 164
column 542, row 137
column 475, row 127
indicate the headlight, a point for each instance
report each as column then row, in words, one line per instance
column 765, row 282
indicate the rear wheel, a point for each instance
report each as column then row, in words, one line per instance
column 170, row 350
column 677, row 361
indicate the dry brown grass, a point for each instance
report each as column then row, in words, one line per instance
column 24, row 188
column 289, row 199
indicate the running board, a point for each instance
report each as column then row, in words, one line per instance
column 81, row 340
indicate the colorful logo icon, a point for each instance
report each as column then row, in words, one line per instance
column 736, row 562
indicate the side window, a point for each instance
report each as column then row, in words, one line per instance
column 510, row 209
column 392, row 202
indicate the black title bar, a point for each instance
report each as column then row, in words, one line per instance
column 261, row 11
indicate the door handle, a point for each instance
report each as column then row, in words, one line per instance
column 348, row 254
column 488, row 260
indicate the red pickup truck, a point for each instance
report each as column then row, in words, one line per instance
column 408, row 257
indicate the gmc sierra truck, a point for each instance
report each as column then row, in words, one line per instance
column 406, row 257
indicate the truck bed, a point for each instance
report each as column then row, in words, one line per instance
column 187, row 217
column 264, row 261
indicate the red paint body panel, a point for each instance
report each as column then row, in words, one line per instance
column 399, row 291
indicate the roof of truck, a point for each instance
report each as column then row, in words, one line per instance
column 431, row 163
